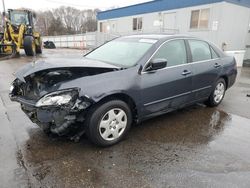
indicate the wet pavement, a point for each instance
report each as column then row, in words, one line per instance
column 193, row 147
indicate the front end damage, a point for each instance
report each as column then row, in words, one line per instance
column 57, row 111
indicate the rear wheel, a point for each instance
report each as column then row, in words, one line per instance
column 39, row 47
column 108, row 123
column 29, row 46
column 218, row 93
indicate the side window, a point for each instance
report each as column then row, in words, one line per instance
column 174, row 52
column 101, row 27
column 214, row 54
column 200, row 50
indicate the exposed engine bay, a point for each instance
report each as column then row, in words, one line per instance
column 38, row 84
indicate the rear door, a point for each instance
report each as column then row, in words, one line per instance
column 168, row 88
column 206, row 66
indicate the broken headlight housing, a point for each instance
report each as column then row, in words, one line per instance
column 59, row 98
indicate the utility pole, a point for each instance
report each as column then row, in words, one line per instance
column 3, row 6
column 3, row 17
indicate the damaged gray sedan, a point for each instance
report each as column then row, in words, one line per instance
column 127, row 80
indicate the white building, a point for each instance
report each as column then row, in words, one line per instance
column 224, row 22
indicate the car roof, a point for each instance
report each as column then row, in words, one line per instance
column 156, row 36
column 163, row 37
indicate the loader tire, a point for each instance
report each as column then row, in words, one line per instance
column 29, row 46
column 39, row 47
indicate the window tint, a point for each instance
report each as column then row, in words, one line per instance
column 174, row 52
column 200, row 50
column 214, row 54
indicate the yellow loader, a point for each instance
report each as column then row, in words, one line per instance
column 19, row 34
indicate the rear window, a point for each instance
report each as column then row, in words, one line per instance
column 214, row 54
column 200, row 50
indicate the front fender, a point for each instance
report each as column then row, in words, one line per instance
column 98, row 87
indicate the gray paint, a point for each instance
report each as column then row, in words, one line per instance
column 153, row 92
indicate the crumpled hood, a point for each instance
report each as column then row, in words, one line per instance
column 58, row 63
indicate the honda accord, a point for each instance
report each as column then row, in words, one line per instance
column 124, row 81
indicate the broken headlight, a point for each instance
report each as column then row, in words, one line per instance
column 11, row 88
column 59, row 98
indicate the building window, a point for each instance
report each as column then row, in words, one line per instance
column 199, row 19
column 137, row 24
column 101, row 27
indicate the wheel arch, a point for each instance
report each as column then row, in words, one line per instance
column 125, row 98
column 225, row 77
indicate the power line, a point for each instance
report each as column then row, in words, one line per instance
column 72, row 4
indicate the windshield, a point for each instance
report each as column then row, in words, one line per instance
column 122, row 52
column 18, row 18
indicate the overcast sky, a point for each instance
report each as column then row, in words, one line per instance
column 80, row 4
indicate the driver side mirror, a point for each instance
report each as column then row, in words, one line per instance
column 156, row 64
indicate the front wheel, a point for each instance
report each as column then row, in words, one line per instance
column 218, row 93
column 108, row 123
column 29, row 46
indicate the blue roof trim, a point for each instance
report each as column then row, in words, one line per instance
column 160, row 5
column 245, row 3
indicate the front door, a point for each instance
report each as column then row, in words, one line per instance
column 168, row 88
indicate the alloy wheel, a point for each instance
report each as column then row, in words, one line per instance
column 219, row 92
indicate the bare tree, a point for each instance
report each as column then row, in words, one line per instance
column 70, row 18
column 56, row 27
column 89, row 26
column 43, row 21
column 66, row 20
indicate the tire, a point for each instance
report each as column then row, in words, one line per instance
column 29, row 46
column 39, row 47
column 215, row 99
column 108, row 123
column 38, row 50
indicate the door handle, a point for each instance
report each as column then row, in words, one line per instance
column 217, row 65
column 186, row 72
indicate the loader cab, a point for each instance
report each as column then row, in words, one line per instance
column 18, row 17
